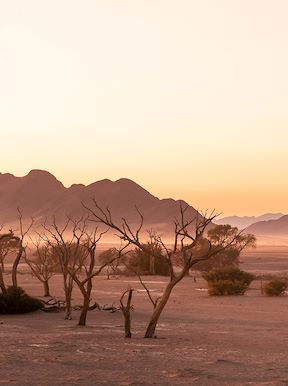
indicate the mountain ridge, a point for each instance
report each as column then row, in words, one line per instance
column 40, row 195
column 243, row 222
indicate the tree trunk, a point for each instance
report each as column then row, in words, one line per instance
column 127, row 324
column 86, row 302
column 83, row 315
column 68, row 287
column 68, row 313
column 15, row 265
column 46, row 288
column 150, row 331
column 126, row 310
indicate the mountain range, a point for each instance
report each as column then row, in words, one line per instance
column 242, row 222
column 269, row 229
column 39, row 195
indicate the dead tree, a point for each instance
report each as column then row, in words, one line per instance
column 67, row 249
column 10, row 243
column 21, row 247
column 77, row 259
column 188, row 235
column 84, row 279
column 7, row 245
column 126, row 310
column 43, row 264
column 88, row 243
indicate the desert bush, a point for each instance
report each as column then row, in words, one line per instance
column 146, row 264
column 16, row 301
column 275, row 287
column 228, row 281
column 150, row 261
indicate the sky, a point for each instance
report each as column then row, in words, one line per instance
column 188, row 98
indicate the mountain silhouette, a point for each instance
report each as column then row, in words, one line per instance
column 242, row 222
column 39, row 195
column 270, row 228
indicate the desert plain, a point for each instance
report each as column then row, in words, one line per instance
column 201, row 339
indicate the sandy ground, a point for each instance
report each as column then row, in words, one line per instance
column 201, row 340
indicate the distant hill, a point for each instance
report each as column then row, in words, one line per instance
column 271, row 231
column 246, row 221
column 40, row 195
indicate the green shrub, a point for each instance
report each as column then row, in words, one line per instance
column 228, row 281
column 16, row 301
column 275, row 287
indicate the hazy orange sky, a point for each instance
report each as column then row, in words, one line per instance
column 187, row 98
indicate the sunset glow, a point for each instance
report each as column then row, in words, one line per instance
column 188, row 99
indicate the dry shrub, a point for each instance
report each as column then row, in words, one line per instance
column 276, row 287
column 16, row 301
column 228, row 281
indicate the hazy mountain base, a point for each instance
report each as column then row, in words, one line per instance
column 40, row 196
column 202, row 340
column 273, row 232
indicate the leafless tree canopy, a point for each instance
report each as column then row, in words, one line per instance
column 74, row 246
column 12, row 243
column 190, row 246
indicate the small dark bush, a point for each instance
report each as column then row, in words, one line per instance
column 228, row 281
column 16, row 301
column 146, row 264
column 275, row 287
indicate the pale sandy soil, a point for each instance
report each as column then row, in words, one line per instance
column 201, row 340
